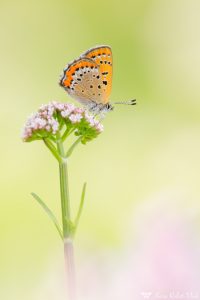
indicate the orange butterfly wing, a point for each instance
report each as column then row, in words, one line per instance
column 102, row 56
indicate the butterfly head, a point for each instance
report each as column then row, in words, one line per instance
column 109, row 107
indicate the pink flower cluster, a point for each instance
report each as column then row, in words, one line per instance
column 44, row 119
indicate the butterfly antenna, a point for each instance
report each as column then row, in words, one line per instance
column 129, row 102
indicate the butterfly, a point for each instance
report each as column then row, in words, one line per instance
column 88, row 79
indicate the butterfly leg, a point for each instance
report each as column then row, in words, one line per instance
column 92, row 106
column 95, row 108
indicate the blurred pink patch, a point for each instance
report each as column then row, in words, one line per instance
column 161, row 262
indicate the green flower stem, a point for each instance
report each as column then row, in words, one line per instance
column 67, row 223
column 52, row 148
column 73, row 146
column 67, row 133
column 64, row 189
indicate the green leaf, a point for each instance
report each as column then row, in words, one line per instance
column 80, row 207
column 49, row 213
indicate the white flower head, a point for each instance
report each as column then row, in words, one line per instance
column 99, row 127
column 47, row 121
column 75, row 118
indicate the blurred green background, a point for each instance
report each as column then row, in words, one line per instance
column 145, row 151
